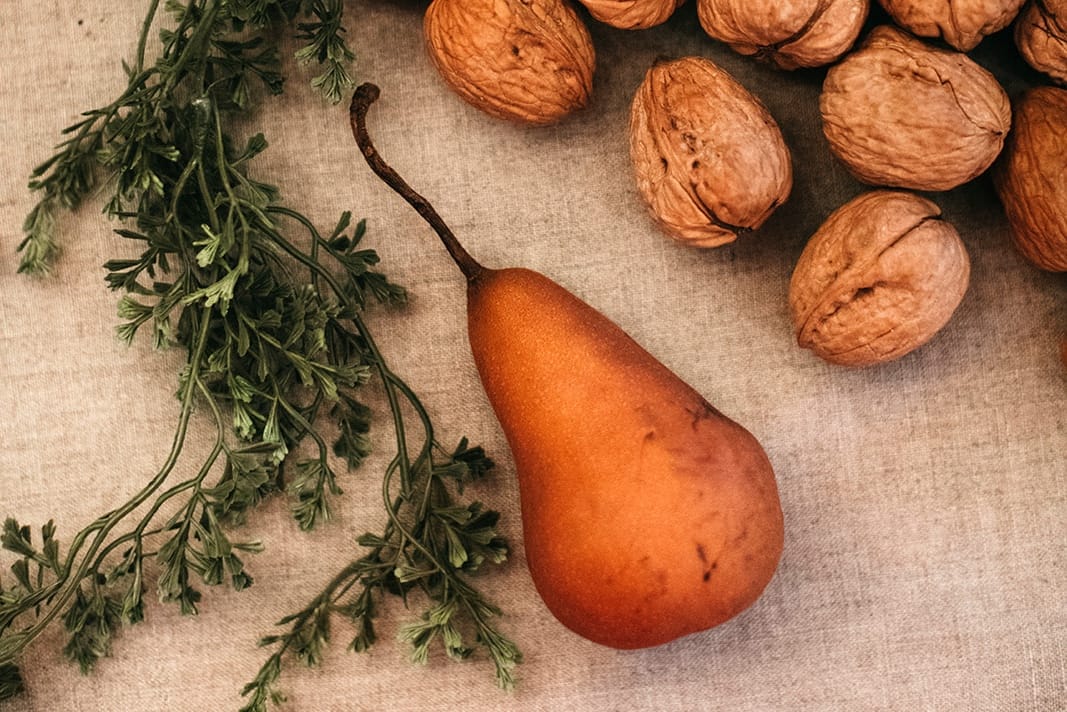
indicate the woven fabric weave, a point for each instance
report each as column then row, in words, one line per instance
column 925, row 500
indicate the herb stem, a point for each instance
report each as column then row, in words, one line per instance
column 314, row 266
column 392, row 385
column 273, row 351
column 60, row 592
column 105, row 523
column 195, row 45
column 333, row 589
column 402, row 459
column 209, row 203
column 142, row 40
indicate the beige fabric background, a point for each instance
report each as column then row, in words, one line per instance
column 925, row 500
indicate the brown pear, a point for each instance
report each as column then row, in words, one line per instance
column 647, row 514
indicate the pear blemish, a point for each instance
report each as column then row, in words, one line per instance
column 631, row 540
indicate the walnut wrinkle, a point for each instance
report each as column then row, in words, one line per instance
column 632, row 14
column 709, row 159
column 901, row 113
column 960, row 23
column 789, row 34
column 1041, row 36
column 1031, row 177
column 878, row 279
column 529, row 61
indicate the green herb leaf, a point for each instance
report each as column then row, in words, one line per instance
column 270, row 317
column 10, row 681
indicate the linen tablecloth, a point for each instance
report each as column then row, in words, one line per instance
column 925, row 500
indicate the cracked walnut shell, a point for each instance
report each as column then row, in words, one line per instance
column 709, row 159
column 529, row 61
column 878, row 279
column 960, row 23
column 632, row 14
column 790, row 34
column 1041, row 36
column 901, row 113
column 1031, row 177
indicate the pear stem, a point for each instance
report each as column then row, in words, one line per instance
column 365, row 95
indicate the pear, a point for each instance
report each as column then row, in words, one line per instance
column 647, row 514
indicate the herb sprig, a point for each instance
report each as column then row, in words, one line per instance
column 217, row 48
column 270, row 314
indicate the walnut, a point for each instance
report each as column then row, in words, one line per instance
column 960, row 23
column 791, row 34
column 632, row 14
column 709, row 159
column 900, row 113
column 878, row 279
column 1041, row 36
column 529, row 61
column 1031, row 177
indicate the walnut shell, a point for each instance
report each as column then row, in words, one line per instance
column 529, row 61
column 878, row 279
column 960, row 23
column 901, row 113
column 709, row 159
column 632, row 14
column 1031, row 177
column 1041, row 36
column 791, row 34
